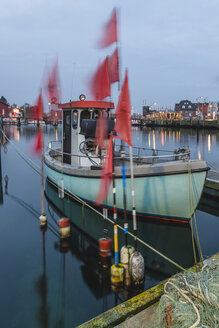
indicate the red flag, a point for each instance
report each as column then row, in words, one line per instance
column 39, row 107
column 110, row 31
column 101, row 130
column 100, row 84
column 53, row 89
column 38, row 142
column 123, row 114
column 114, row 67
column 107, row 174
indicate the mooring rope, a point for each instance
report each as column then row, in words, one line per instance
column 213, row 167
column 34, row 212
column 73, row 196
column 194, row 216
column 191, row 210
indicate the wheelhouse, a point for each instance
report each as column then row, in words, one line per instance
column 79, row 126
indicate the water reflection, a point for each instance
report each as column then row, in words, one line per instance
column 175, row 241
column 199, row 141
column 209, row 202
column 64, row 283
column 41, row 286
column 1, row 189
column 209, row 143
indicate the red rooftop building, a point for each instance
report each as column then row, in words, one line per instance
column 4, row 111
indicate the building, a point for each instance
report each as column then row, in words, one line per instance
column 15, row 112
column 202, row 110
column 4, row 110
column 187, row 109
column 54, row 116
column 148, row 112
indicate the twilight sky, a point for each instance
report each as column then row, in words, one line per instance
column 171, row 48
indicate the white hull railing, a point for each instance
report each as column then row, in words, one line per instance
column 55, row 150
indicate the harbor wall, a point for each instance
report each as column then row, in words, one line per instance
column 197, row 124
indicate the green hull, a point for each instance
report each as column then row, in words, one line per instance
column 173, row 196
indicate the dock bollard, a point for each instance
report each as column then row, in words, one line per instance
column 125, row 255
column 136, row 268
column 64, row 228
column 43, row 220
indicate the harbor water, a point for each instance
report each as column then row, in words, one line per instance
column 47, row 283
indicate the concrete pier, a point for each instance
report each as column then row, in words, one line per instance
column 197, row 124
column 136, row 310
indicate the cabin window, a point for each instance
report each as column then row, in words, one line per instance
column 75, row 119
column 95, row 115
column 85, row 115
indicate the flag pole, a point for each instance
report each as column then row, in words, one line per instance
column 133, row 198
column 122, row 152
column 42, row 174
column 115, row 212
column 136, row 260
column 117, row 270
column 43, row 218
column 124, row 193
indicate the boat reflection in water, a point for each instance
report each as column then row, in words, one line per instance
column 209, row 202
column 174, row 241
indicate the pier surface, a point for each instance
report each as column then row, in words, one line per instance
column 136, row 312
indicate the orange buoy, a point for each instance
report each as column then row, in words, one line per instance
column 64, row 222
column 64, row 228
column 105, row 246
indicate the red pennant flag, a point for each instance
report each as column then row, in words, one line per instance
column 114, row 67
column 100, row 84
column 38, row 142
column 123, row 114
column 101, row 130
column 107, row 174
column 53, row 89
column 39, row 107
column 110, row 31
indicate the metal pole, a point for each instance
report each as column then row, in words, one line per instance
column 42, row 174
column 116, row 250
column 43, row 218
column 133, row 197
column 124, row 193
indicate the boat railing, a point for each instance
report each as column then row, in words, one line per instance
column 55, row 149
column 56, row 152
column 148, row 155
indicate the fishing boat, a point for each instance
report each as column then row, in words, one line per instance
column 168, row 185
